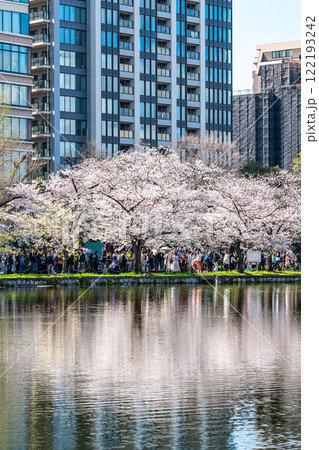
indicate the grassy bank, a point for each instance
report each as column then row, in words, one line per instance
column 133, row 274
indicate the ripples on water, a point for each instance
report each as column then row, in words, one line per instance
column 151, row 367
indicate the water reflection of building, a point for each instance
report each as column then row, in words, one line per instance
column 130, row 365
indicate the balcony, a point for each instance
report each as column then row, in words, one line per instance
column 163, row 8
column 126, row 23
column 192, row 76
column 41, row 39
column 126, row 67
column 39, row 17
column 43, row 62
column 163, row 51
column 163, row 72
column 126, row 90
column 41, row 85
column 163, row 137
column 38, row 131
column 128, row 112
column 124, row 45
column 163, row 115
column 126, row 2
column 127, row 134
column 192, row 12
column 192, row 97
column 192, row 34
column 163, row 29
column 163, row 94
column 192, row 55
column 41, row 108
column 193, row 118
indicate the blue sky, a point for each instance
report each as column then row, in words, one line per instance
column 260, row 22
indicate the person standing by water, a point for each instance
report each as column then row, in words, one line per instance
column 175, row 263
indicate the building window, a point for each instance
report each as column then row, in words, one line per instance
column 14, row 22
column 13, row 58
column 14, row 95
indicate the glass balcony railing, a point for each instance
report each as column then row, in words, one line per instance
column 40, row 61
column 41, row 107
column 163, row 8
column 39, row 15
column 192, row 55
column 41, row 84
column 41, row 38
column 127, row 134
column 126, row 67
column 163, row 72
column 126, row 2
column 163, row 94
column 193, row 118
column 42, row 129
column 129, row 112
column 163, row 115
column 126, row 23
column 193, row 97
column 163, row 29
column 192, row 12
column 126, row 90
column 163, row 137
column 192, row 76
column 193, row 34
column 126, row 45
column 163, row 51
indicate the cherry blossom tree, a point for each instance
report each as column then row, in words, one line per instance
column 138, row 199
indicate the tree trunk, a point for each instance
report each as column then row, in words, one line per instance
column 240, row 265
column 269, row 263
column 64, row 261
column 137, row 250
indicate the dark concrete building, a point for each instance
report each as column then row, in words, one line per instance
column 266, row 121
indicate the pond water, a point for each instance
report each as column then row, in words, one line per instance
column 151, row 367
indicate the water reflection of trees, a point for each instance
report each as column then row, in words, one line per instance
column 157, row 365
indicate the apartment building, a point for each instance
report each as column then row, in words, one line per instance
column 15, row 71
column 124, row 71
column 267, row 120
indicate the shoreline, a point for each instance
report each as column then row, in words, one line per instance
column 17, row 281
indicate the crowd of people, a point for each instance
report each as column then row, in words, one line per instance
column 163, row 260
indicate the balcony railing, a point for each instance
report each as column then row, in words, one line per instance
column 193, row 55
column 40, row 61
column 127, row 134
column 126, row 23
column 163, row 8
column 193, row 34
column 163, row 115
column 39, row 15
column 192, row 76
column 41, row 38
column 193, row 97
column 41, row 107
column 193, row 118
column 163, row 137
column 163, row 94
column 41, row 84
column 163, row 72
column 126, row 45
column 163, row 29
column 192, row 12
column 129, row 112
column 126, row 67
column 163, row 51
column 126, row 2
column 126, row 90
column 42, row 129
